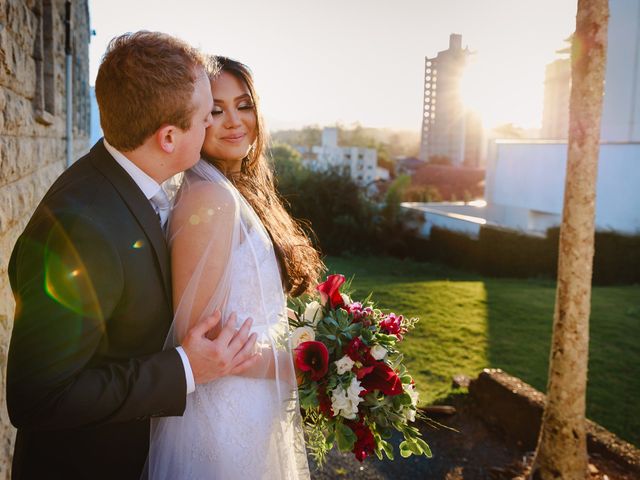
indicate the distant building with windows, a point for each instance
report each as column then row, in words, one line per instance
column 361, row 164
column 450, row 133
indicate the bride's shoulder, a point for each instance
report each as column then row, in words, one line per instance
column 205, row 192
column 202, row 202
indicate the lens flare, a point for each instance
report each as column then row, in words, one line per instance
column 67, row 280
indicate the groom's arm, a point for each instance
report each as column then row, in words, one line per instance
column 68, row 280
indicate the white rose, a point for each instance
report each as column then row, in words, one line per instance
column 344, row 365
column 353, row 392
column 341, row 405
column 301, row 335
column 378, row 352
column 312, row 312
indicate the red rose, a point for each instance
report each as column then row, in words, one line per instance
column 365, row 444
column 312, row 357
column 330, row 291
column 356, row 350
column 382, row 377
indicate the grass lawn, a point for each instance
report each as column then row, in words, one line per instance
column 469, row 322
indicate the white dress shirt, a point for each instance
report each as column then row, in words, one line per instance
column 150, row 188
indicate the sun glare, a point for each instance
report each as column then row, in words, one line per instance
column 500, row 95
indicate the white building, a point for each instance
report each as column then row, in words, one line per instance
column 524, row 185
column 359, row 163
column 449, row 131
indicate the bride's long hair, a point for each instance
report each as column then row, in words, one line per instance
column 299, row 261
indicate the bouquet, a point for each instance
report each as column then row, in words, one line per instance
column 354, row 389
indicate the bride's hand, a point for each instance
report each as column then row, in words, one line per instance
column 231, row 352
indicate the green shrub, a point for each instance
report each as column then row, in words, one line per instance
column 505, row 253
column 337, row 213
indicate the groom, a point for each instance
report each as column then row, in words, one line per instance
column 92, row 282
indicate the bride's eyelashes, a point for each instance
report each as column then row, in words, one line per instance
column 247, row 106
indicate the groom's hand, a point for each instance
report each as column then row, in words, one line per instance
column 230, row 353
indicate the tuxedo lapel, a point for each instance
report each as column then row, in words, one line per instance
column 139, row 206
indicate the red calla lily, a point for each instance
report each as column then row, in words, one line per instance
column 330, row 291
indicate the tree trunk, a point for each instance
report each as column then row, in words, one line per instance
column 562, row 449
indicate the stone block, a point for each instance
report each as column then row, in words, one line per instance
column 18, row 115
column 19, row 199
column 17, row 66
column 7, row 241
column 22, row 156
column 515, row 408
column 8, row 159
column 22, row 22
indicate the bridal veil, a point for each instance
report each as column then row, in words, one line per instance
column 246, row 426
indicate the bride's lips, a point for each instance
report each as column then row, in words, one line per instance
column 235, row 138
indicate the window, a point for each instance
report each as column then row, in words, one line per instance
column 44, row 100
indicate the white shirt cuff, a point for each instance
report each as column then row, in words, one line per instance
column 188, row 373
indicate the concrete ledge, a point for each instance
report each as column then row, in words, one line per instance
column 515, row 408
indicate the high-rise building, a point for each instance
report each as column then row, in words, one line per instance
column 557, row 90
column 450, row 134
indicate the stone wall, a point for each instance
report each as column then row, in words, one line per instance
column 33, row 133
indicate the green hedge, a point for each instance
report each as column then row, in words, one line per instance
column 504, row 253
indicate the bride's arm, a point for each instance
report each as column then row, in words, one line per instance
column 201, row 236
column 266, row 363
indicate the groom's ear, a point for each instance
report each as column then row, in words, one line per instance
column 166, row 138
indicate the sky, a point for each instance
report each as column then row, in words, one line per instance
column 322, row 62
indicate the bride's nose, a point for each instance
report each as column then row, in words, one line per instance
column 232, row 119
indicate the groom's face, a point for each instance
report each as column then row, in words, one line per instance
column 191, row 140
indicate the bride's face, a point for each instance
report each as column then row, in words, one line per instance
column 233, row 129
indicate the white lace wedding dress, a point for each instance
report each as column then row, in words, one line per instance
column 236, row 427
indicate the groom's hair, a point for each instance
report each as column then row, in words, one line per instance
column 146, row 80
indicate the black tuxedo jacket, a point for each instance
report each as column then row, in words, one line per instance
column 86, row 369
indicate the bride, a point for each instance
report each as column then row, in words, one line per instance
column 234, row 248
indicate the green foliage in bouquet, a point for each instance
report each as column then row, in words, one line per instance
column 354, row 389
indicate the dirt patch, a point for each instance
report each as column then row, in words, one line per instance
column 480, row 442
column 469, row 451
